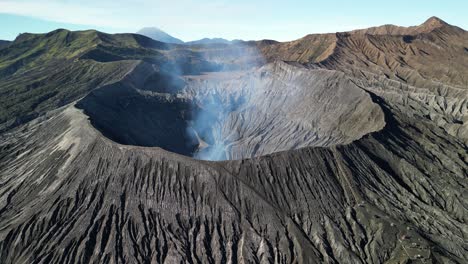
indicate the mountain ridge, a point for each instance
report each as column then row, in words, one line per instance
column 372, row 43
column 427, row 26
column 159, row 35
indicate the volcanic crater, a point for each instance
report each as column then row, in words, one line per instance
column 228, row 115
column 338, row 148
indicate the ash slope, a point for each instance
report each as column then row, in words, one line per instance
column 69, row 194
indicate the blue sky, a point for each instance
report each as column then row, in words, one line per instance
column 231, row 19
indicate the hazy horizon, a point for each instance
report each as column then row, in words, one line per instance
column 188, row 20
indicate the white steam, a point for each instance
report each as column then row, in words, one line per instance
column 213, row 109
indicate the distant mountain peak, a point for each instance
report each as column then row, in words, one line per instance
column 433, row 23
column 159, row 35
column 205, row 41
column 434, row 19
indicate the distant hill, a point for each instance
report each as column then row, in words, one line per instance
column 209, row 41
column 159, row 35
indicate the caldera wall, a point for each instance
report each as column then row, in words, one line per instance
column 234, row 115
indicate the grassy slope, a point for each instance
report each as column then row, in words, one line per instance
column 39, row 72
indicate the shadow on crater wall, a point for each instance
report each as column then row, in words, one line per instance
column 131, row 118
column 233, row 115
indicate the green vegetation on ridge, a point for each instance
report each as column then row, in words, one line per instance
column 39, row 72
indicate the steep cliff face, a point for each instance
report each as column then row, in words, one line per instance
column 325, row 163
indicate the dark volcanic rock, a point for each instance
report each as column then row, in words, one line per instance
column 81, row 196
column 341, row 156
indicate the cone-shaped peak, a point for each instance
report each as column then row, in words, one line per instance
column 433, row 23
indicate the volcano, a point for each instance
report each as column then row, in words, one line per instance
column 347, row 147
